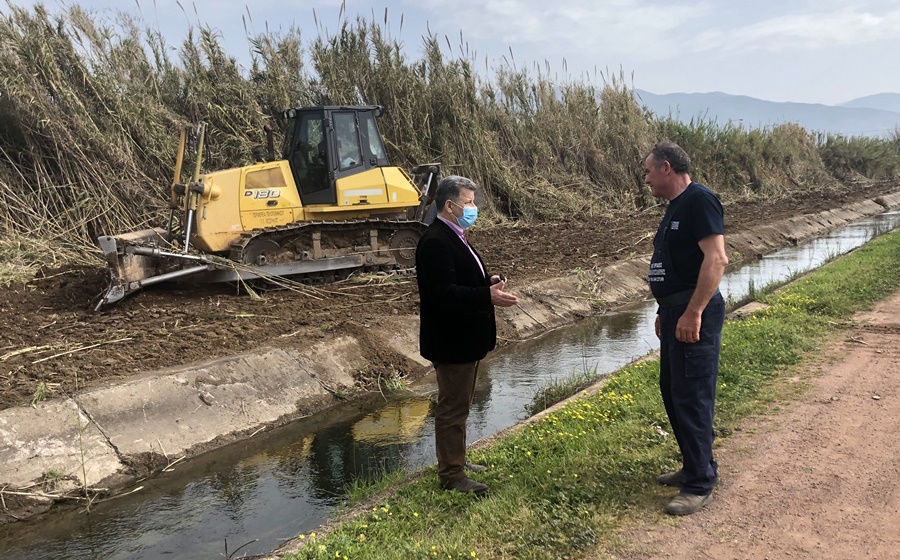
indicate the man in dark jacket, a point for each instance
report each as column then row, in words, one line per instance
column 458, row 329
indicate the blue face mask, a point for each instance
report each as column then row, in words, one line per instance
column 470, row 213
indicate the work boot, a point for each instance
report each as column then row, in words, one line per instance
column 475, row 467
column 671, row 478
column 466, row 485
column 686, row 504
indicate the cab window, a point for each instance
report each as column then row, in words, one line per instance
column 349, row 153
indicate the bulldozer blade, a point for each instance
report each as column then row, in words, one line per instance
column 134, row 263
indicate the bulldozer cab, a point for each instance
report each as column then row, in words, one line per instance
column 324, row 144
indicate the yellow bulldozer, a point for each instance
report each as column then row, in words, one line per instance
column 331, row 204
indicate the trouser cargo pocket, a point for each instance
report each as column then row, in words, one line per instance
column 701, row 359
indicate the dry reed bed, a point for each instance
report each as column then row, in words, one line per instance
column 89, row 113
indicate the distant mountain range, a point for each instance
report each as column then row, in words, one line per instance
column 873, row 115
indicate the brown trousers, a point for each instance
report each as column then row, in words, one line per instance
column 456, row 388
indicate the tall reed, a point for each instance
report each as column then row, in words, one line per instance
column 90, row 109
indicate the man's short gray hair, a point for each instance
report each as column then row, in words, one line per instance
column 673, row 153
column 449, row 189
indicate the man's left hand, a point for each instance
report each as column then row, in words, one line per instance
column 501, row 298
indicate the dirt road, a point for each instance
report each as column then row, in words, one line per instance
column 817, row 478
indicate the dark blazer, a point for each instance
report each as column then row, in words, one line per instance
column 457, row 317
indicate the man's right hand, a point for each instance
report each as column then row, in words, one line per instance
column 501, row 298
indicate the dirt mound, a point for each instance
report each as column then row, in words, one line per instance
column 54, row 344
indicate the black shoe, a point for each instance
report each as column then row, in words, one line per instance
column 475, row 467
column 671, row 479
column 466, row 485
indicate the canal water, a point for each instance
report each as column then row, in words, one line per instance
column 250, row 497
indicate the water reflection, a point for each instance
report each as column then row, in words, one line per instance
column 284, row 483
column 288, row 481
column 402, row 423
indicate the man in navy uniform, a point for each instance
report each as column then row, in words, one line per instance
column 687, row 264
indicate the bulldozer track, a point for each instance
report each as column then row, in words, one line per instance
column 402, row 233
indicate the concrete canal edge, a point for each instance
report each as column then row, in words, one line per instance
column 108, row 438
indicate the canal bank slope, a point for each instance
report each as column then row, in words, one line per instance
column 106, row 437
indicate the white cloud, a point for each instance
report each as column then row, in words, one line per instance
column 766, row 48
column 847, row 26
column 573, row 28
column 775, row 49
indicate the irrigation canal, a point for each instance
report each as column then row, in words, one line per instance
column 288, row 481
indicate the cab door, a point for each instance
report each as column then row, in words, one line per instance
column 310, row 159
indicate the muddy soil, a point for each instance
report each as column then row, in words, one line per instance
column 53, row 344
column 816, row 478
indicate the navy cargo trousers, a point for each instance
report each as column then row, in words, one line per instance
column 687, row 381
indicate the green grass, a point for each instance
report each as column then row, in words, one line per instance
column 566, row 485
column 40, row 393
column 558, row 390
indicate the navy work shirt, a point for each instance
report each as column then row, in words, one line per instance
column 677, row 257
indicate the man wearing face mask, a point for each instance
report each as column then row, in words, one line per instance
column 458, row 329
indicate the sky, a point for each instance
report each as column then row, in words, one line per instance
column 808, row 51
